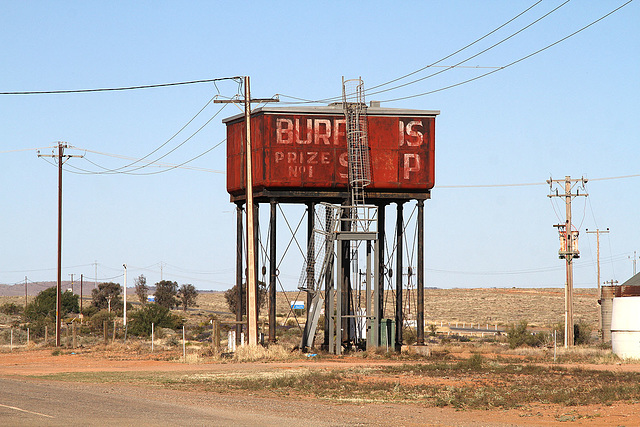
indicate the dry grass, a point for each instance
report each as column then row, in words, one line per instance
column 271, row 353
column 474, row 383
column 504, row 306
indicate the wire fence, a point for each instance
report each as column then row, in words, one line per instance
column 76, row 335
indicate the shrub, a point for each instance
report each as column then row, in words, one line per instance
column 96, row 323
column 433, row 330
column 161, row 317
column 581, row 333
column 11, row 308
column 231, row 296
column 518, row 336
column 409, row 335
column 44, row 305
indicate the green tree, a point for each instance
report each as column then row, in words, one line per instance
column 165, row 294
column 142, row 290
column 105, row 291
column 231, row 296
column 141, row 320
column 44, row 305
column 187, row 296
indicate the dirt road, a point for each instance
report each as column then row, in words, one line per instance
column 28, row 400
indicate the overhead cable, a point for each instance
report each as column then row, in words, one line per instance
column 476, row 55
column 511, row 63
column 166, row 142
column 114, row 89
column 434, row 64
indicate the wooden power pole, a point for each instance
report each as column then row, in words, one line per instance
column 252, row 288
column 597, row 232
column 61, row 159
column 568, row 249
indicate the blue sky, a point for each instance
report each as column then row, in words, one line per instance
column 569, row 110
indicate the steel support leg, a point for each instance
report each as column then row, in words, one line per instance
column 381, row 265
column 420, row 314
column 399, row 267
column 339, row 302
column 272, row 272
column 239, row 274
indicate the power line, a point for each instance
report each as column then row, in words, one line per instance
column 167, row 141
column 23, row 149
column 526, row 184
column 81, row 171
column 512, row 63
column 154, row 163
column 107, row 171
column 114, row 89
column 459, row 50
column 368, row 92
column 477, row 54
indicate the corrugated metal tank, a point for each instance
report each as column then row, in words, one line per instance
column 625, row 327
column 608, row 293
column 606, row 302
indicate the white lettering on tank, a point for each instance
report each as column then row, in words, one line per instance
column 415, row 136
column 343, row 160
column 410, row 166
column 322, row 131
column 339, row 129
column 307, row 137
column 284, row 131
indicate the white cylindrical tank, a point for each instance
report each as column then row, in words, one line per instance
column 625, row 327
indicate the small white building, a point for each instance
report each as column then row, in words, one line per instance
column 625, row 321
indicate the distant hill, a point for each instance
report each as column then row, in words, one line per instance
column 35, row 288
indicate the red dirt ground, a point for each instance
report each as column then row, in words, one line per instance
column 39, row 362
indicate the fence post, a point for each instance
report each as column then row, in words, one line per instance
column 66, row 328
column 46, row 334
column 104, row 331
column 152, row 336
column 215, row 334
column 184, row 347
column 11, row 345
column 113, row 340
column 28, row 337
column 231, row 345
column 74, row 335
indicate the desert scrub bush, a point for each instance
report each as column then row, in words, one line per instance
column 518, row 336
column 160, row 316
column 96, row 323
column 473, row 363
column 11, row 309
column 409, row 336
column 581, row 332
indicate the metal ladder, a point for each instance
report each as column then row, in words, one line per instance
column 355, row 111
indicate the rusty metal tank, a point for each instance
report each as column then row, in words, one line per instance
column 607, row 294
column 302, row 151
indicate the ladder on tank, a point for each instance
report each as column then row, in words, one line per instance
column 355, row 111
column 359, row 217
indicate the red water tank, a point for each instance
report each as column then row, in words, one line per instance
column 305, row 149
